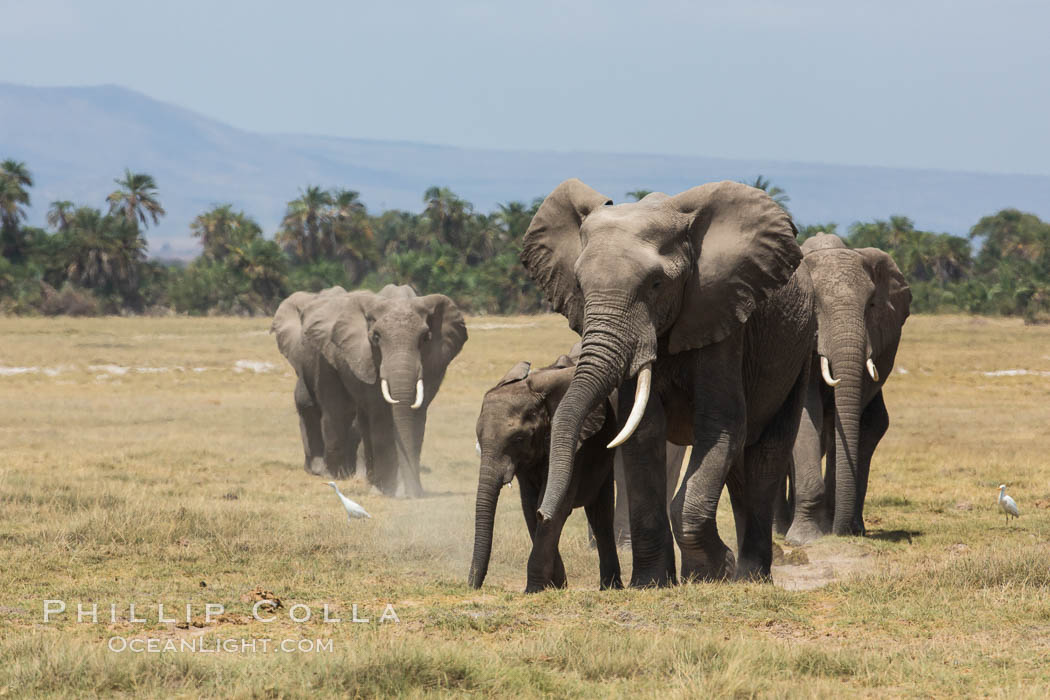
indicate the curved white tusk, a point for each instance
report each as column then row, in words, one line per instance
column 386, row 393
column 641, row 398
column 825, row 371
column 477, row 447
column 419, row 395
column 871, row 370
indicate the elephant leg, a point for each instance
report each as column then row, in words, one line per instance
column 719, row 433
column 530, row 504
column 600, row 517
column 545, row 568
column 367, row 455
column 644, row 461
column 812, row 518
column 874, row 423
column 310, row 429
column 337, row 414
column 353, row 443
column 765, row 467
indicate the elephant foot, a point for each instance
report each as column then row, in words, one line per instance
column 716, row 563
column 751, row 569
column 315, row 466
column 661, row 580
column 851, row 530
column 536, row 587
column 612, row 584
column 803, row 532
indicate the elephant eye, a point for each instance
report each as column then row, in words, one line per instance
column 375, row 337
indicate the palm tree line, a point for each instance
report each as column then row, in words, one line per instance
column 94, row 260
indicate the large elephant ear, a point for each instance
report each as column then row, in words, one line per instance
column 448, row 333
column 552, row 244
column 891, row 289
column 551, row 385
column 336, row 325
column 745, row 249
column 288, row 323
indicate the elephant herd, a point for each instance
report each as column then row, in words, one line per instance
column 702, row 323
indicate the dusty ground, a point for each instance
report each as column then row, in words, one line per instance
column 157, row 461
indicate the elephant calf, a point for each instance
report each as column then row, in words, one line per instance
column 513, row 437
column 368, row 366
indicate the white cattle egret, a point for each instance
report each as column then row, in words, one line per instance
column 352, row 509
column 1007, row 505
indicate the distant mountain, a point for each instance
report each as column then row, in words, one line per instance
column 75, row 140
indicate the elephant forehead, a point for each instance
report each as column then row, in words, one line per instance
column 638, row 221
column 822, row 241
column 508, row 407
column 837, row 272
column 400, row 316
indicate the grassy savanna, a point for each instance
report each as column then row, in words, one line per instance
column 139, row 466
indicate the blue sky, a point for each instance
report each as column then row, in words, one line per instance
column 951, row 85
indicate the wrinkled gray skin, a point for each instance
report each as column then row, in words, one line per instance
column 342, row 345
column 704, row 286
column 513, row 433
column 862, row 302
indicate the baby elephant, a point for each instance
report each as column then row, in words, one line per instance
column 513, row 438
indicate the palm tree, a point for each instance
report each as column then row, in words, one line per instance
column 59, row 214
column 639, row 195
column 447, row 214
column 264, row 264
column 779, row 195
column 515, row 218
column 104, row 252
column 15, row 181
column 350, row 235
column 221, row 229
column 136, row 199
column 300, row 233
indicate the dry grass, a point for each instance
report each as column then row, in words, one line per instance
column 138, row 487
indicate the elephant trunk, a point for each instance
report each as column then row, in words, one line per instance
column 489, row 485
column 848, row 354
column 406, row 423
column 617, row 340
column 400, row 377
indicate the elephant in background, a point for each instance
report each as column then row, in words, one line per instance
column 696, row 308
column 862, row 301
column 368, row 367
column 513, row 432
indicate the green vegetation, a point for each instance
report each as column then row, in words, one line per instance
column 88, row 262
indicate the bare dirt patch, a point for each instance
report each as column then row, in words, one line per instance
column 817, row 564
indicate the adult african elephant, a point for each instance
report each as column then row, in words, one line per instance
column 696, row 300
column 862, row 302
column 368, row 366
column 513, row 432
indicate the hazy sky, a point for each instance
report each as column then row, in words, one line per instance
column 959, row 85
